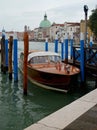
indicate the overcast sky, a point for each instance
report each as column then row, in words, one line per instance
column 14, row 14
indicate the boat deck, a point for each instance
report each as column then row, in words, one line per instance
column 57, row 68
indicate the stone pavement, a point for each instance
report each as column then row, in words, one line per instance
column 78, row 115
column 87, row 121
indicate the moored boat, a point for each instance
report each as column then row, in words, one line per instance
column 46, row 70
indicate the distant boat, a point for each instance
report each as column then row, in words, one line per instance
column 46, row 70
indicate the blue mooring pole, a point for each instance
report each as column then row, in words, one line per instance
column 71, row 47
column 6, row 51
column 56, row 44
column 15, row 44
column 91, row 41
column 62, row 49
column 66, row 48
column 46, row 44
column 82, row 64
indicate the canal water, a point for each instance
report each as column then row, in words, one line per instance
column 18, row 111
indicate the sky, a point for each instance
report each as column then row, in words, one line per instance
column 15, row 14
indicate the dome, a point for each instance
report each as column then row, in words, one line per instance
column 45, row 23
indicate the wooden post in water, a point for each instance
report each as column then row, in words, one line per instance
column 66, row 48
column 71, row 47
column 25, row 61
column 86, row 13
column 10, row 57
column 6, row 52
column 15, row 44
column 82, row 59
column 56, row 44
column 62, row 49
column 2, row 55
column 46, row 44
column 3, row 52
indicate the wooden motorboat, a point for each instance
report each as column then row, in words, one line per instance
column 45, row 69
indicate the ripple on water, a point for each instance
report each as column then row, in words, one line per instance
column 18, row 111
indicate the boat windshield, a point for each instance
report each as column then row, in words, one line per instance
column 44, row 59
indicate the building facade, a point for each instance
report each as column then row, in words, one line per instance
column 43, row 31
column 48, row 30
column 82, row 29
column 56, row 29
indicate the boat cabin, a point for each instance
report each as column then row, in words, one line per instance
column 43, row 57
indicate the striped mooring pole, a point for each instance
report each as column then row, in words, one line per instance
column 66, row 48
column 46, row 44
column 71, row 47
column 82, row 58
column 62, row 49
column 15, row 56
column 56, row 44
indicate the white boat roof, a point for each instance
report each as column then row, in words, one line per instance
column 42, row 53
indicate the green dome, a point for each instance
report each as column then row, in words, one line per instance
column 45, row 23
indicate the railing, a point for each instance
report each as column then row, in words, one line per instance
column 90, row 55
column 76, row 54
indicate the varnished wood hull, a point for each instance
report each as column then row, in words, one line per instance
column 50, row 79
column 50, row 75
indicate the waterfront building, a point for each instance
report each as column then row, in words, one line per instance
column 67, row 27
column 56, row 29
column 20, row 35
column 72, row 28
column 82, row 29
column 36, row 34
column 31, row 35
column 44, row 29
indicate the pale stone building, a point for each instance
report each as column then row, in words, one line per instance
column 82, row 29
column 44, row 29
column 56, row 29
column 72, row 28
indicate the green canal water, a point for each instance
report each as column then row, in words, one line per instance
column 18, row 111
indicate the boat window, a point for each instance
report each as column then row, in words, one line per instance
column 41, row 59
column 38, row 59
column 44, row 59
column 55, row 58
column 34, row 60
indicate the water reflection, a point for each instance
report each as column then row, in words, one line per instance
column 18, row 111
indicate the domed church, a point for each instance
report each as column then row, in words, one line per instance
column 45, row 23
column 44, row 28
